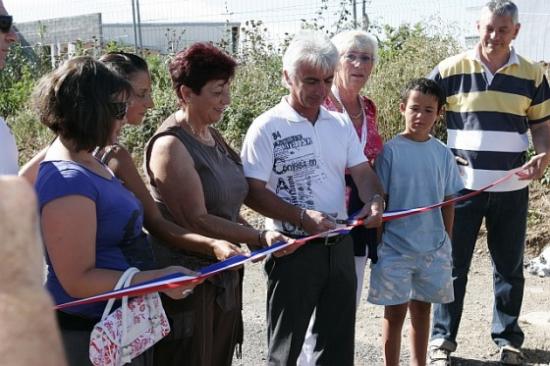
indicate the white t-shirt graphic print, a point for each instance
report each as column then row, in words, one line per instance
column 302, row 163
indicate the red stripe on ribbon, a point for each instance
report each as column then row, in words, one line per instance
column 177, row 279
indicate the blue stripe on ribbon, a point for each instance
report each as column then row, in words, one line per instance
column 181, row 279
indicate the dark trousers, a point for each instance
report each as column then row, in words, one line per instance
column 314, row 277
column 505, row 216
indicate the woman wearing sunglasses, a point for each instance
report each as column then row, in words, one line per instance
column 134, row 69
column 8, row 149
column 91, row 224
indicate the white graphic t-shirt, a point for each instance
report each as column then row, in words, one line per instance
column 301, row 162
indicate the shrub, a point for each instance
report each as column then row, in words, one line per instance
column 30, row 135
column 257, row 83
column 17, row 79
column 135, row 137
column 256, row 88
column 405, row 53
column 545, row 180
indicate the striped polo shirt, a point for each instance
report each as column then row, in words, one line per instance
column 488, row 116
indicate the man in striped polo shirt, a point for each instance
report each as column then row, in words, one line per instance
column 494, row 97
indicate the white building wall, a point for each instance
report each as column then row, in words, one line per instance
column 170, row 37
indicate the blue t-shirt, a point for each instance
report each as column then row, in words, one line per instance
column 416, row 174
column 120, row 241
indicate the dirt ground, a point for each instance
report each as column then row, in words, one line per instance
column 475, row 346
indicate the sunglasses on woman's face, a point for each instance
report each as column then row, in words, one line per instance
column 119, row 109
column 5, row 23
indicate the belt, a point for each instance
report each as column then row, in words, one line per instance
column 326, row 241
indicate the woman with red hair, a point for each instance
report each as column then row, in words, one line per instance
column 198, row 182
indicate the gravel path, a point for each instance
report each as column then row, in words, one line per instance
column 475, row 345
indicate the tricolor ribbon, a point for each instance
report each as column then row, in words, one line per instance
column 178, row 279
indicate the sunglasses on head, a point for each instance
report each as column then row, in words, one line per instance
column 5, row 23
column 119, row 109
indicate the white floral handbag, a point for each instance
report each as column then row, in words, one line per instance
column 129, row 330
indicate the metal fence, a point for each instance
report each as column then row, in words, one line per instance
column 166, row 25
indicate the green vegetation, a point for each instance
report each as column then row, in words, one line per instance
column 17, row 79
column 407, row 52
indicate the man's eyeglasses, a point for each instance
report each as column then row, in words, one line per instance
column 118, row 109
column 352, row 57
column 6, row 22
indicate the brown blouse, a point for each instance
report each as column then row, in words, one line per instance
column 219, row 169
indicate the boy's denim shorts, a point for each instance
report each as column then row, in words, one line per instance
column 398, row 278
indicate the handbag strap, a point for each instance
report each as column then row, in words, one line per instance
column 124, row 281
column 125, row 309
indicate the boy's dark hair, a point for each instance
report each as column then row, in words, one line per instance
column 76, row 101
column 425, row 86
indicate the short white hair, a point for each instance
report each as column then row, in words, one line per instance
column 310, row 48
column 356, row 40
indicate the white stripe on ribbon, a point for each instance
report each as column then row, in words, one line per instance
column 178, row 279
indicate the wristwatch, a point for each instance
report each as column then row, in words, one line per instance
column 377, row 196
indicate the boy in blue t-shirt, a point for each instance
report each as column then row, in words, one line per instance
column 414, row 268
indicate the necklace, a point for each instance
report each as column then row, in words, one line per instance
column 355, row 116
column 208, row 139
column 205, row 137
column 363, row 120
column 341, row 104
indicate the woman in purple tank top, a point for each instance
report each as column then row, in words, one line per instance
column 91, row 225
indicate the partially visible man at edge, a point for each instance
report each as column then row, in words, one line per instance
column 295, row 169
column 26, row 311
column 8, row 149
column 494, row 96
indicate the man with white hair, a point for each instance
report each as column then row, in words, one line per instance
column 8, row 149
column 295, row 156
column 494, row 96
